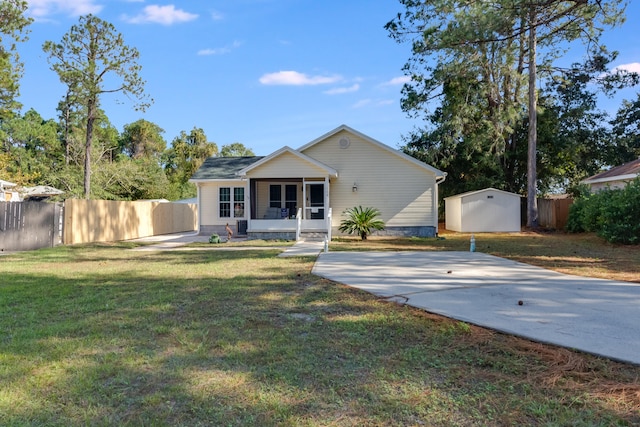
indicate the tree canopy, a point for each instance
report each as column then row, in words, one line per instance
column 235, row 149
column 91, row 60
column 474, row 68
column 13, row 29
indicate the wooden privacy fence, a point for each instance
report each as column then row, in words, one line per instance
column 553, row 213
column 30, row 225
column 87, row 221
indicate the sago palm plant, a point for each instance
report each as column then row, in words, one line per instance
column 361, row 221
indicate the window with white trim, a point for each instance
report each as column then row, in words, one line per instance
column 275, row 196
column 231, row 206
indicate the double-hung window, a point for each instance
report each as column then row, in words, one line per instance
column 275, row 196
column 231, row 202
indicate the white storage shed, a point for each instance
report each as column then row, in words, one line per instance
column 487, row 210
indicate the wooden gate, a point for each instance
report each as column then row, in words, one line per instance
column 30, row 225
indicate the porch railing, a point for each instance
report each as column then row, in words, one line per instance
column 298, row 223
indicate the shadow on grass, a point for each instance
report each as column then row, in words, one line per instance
column 246, row 338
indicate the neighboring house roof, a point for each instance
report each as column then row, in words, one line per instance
column 223, row 168
column 627, row 171
column 6, row 184
column 40, row 191
column 399, row 153
column 469, row 193
column 296, row 153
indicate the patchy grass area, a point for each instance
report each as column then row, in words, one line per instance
column 244, row 243
column 579, row 254
column 98, row 335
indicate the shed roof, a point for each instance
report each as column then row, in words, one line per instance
column 469, row 193
column 223, row 168
column 628, row 170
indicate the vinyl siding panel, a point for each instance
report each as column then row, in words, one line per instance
column 403, row 191
column 287, row 165
column 209, row 196
column 611, row 185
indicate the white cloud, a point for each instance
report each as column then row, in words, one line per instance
column 44, row 8
column 396, row 81
column 370, row 102
column 633, row 67
column 341, row 90
column 165, row 15
column 219, row 50
column 294, row 78
column 362, row 103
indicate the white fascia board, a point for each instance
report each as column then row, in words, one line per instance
column 610, row 178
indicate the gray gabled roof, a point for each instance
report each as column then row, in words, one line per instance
column 223, row 168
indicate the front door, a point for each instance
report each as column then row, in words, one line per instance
column 315, row 201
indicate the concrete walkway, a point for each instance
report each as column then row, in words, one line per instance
column 303, row 248
column 597, row 316
column 168, row 242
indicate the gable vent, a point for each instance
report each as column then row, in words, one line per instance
column 344, row 142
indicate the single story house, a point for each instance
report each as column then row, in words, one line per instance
column 293, row 191
column 613, row 178
column 488, row 210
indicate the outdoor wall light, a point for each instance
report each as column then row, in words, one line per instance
column 354, row 188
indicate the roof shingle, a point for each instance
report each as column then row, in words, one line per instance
column 223, row 167
column 629, row 168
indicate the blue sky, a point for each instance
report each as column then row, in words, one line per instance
column 265, row 73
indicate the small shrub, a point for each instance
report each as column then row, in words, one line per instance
column 612, row 214
column 361, row 221
column 621, row 215
column 575, row 221
column 214, row 238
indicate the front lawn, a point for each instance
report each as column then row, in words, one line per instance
column 99, row 335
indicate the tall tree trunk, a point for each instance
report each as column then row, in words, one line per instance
column 91, row 106
column 532, row 202
column 66, row 130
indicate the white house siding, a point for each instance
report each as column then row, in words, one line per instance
column 287, row 165
column 403, row 191
column 209, row 214
column 611, row 185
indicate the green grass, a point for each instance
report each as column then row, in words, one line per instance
column 99, row 335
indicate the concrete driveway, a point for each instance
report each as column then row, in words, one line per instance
column 597, row 316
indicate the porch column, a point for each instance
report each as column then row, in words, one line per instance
column 327, row 204
column 247, row 201
column 304, row 199
column 327, row 219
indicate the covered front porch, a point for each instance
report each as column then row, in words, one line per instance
column 287, row 208
column 289, row 195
